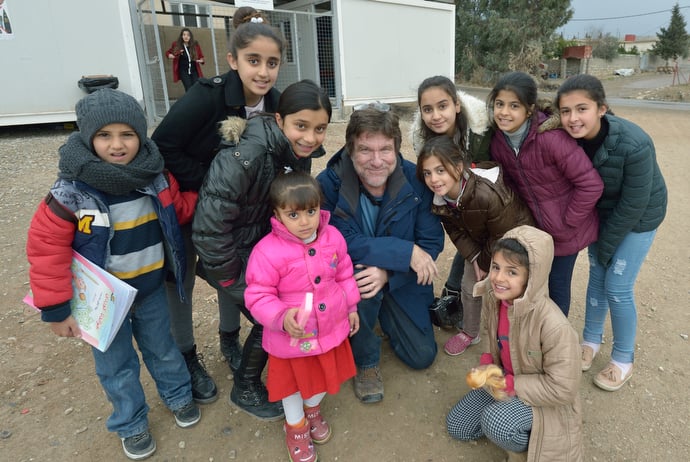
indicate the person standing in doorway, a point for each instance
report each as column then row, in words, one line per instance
column 187, row 59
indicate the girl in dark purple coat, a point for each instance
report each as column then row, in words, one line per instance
column 550, row 172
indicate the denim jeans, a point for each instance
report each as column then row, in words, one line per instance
column 415, row 347
column 612, row 288
column 181, row 312
column 118, row 368
column 560, row 281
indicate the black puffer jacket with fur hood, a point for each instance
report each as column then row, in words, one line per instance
column 233, row 211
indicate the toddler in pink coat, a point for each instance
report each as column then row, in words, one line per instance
column 307, row 343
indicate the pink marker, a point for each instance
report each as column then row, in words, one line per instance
column 303, row 314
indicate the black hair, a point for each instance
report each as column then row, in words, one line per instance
column 248, row 24
column 512, row 251
column 447, row 85
column 448, row 153
column 583, row 82
column 301, row 95
column 520, row 83
column 297, row 190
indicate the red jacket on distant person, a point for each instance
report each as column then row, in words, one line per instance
column 176, row 52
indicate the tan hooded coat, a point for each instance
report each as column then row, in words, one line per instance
column 545, row 352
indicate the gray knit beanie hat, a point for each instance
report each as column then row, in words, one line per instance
column 108, row 106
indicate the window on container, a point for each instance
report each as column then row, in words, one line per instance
column 189, row 15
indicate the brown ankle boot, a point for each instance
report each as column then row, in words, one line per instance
column 299, row 443
column 319, row 429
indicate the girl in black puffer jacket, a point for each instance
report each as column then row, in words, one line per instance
column 234, row 211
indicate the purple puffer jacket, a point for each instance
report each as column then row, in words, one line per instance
column 282, row 269
column 557, row 181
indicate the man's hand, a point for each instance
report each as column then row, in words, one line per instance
column 422, row 264
column 66, row 328
column 370, row 279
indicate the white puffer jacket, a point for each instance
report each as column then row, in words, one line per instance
column 473, row 108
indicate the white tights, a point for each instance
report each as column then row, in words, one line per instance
column 294, row 405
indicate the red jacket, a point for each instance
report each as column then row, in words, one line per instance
column 55, row 228
column 176, row 52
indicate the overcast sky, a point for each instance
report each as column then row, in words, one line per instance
column 619, row 17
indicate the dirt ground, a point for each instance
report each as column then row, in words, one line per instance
column 52, row 407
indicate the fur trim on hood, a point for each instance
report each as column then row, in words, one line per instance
column 554, row 117
column 231, row 129
column 473, row 108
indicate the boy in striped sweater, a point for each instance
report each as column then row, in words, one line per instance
column 113, row 204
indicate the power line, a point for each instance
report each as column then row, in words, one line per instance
column 628, row 16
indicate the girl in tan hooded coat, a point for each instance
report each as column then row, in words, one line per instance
column 526, row 334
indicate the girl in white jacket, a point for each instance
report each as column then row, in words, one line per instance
column 444, row 110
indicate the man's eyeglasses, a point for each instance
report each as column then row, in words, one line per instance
column 383, row 107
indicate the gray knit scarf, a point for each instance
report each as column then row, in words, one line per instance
column 78, row 162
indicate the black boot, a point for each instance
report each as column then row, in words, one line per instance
column 455, row 315
column 446, row 291
column 446, row 311
column 248, row 393
column 231, row 348
column 204, row 391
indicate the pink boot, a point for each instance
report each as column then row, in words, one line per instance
column 299, row 444
column 319, row 429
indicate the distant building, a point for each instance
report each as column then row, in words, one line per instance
column 643, row 44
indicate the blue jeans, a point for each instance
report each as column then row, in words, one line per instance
column 181, row 312
column 612, row 288
column 118, row 368
column 560, row 281
column 414, row 346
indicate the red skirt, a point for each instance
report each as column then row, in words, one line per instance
column 310, row 374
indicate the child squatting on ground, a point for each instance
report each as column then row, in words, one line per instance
column 113, row 204
column 309, row 352
column 538, row 418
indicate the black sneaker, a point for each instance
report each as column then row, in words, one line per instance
column 204, row 390
column 187, row 415
column 139, row 446
column 252, row 398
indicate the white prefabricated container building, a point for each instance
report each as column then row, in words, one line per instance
column 359, row 50
column 387, row 47
column 52, row 45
